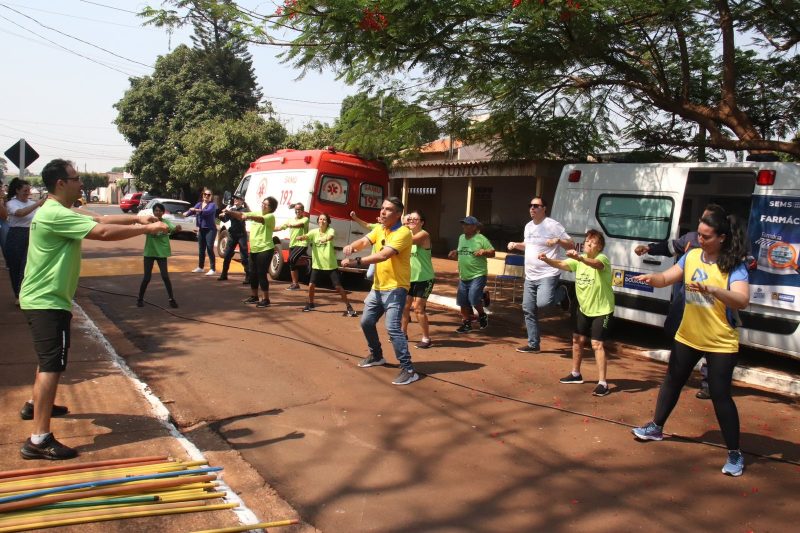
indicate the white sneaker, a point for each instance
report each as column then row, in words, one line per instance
column 211, row 273
column 198, row 269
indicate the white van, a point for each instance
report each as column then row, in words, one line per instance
column 636, row 204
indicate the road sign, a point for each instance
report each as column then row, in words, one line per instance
column 29, row 155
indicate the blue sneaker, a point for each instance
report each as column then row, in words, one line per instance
column 649, row 431
column 735, row 465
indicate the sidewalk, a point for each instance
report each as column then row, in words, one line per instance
column 113, row 416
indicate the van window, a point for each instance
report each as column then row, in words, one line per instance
column 333, row 189
column 627, row 216
column 242, row 190
column 371, row 196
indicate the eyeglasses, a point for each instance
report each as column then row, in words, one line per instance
column 536, row 206
column 76, row 178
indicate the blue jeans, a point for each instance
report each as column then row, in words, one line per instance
column 205, row 244
column 470, row 292
column 391, row 303
column 539, row 294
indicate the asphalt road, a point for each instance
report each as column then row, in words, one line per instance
column 488, row 440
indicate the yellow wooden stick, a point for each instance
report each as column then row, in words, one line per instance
column 261, row 525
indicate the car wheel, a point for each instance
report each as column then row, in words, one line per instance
column 134, row 210
column 278, row 269
column 124, row 210
column 222, row 242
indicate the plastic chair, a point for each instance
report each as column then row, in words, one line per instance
column 513, row 273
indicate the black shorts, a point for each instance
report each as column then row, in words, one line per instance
column 317, row 275
column 50, row 332
column 594, row 327
column 421, row 289
column 295, row 254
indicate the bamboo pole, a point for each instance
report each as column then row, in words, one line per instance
column 59, row 474
column 250, row 527
column 121, row 489
column 73, row 466
column 153, row 512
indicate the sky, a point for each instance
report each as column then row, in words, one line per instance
column 66, row 62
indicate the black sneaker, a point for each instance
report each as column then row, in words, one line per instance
column 251, row 300
column 405, row 377
column 423, row 345
column 487, row 300
column 139, row 303
column 703, row 393
column 222, row 277
column 570, row 379
column 483, row 321
column 371, row 361
column 263, row 303
column 350, row 312
column 528, row 349
column 600, row 390
column 172, row 303
column 309, row 307
column 49, row 449
column 466, row 327
column 26, row 413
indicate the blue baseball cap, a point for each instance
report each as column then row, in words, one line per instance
column 472, row 221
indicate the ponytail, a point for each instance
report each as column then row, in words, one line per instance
column 734, row 247
column 15, row 185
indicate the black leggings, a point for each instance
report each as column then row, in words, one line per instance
column 259, row 269
column 720, row 372
column 148, row 271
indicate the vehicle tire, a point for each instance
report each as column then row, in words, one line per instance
column 278, row 269
column 134, row 210
column 222, row 242
column 95, row 199
column 124, row 210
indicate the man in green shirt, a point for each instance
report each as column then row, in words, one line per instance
column 51, row 277
column 472, row 253
column 297, row 248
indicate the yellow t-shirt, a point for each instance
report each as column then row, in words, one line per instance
column 705, row 325
column 395, row 272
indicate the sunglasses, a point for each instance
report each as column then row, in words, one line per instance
column 536, row 206
column 206, row 194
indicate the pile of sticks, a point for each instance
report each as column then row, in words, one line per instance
column 80, row 493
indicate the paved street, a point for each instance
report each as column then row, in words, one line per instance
column 487, row 440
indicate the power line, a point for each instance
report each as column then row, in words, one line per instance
column 108, row 22
column 68, row 49
column 302, row 101
column 64, row 140
column 5, row 119
column 78, row 152
column 109, row 7
column 75, row 38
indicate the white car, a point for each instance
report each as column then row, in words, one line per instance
column 173, row 211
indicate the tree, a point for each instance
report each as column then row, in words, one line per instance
column 3, row 168
column 312, row 136
column 217, row 153
column 553, row 73
column 380, row 126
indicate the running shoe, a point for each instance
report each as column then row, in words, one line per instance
column 483, row 321
column 465, row 327
column 423, row 345
column 528, row 349
column 703, row 393
column 250, row 300
column 172, row 303
column 350, row 312
column 372, row 361
column 139, row 303
column 197, row 270
column 571, row 379
column 649, row 431
column 222, row 277
column 735, row 464
column 49, row 449
column 211, row 273
column 26, row 413
column 293, row 287
column 405, row 377
column 309, row 307
column 600, row 390
column 264, row 303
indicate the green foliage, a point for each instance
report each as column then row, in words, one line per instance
column 217, row 153
column 312, row 136
column 3, row 168
column 93, row 180
column 668, row 72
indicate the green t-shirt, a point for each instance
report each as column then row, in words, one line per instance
column 158, row 245
column 593, row 287
column 421, row 264
column 294, row 233
column 470, row 266
column 261, row 232
column 323, row 254
column 54, row 257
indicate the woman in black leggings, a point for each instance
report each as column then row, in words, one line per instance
column 156, row 250
column 716, row 286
